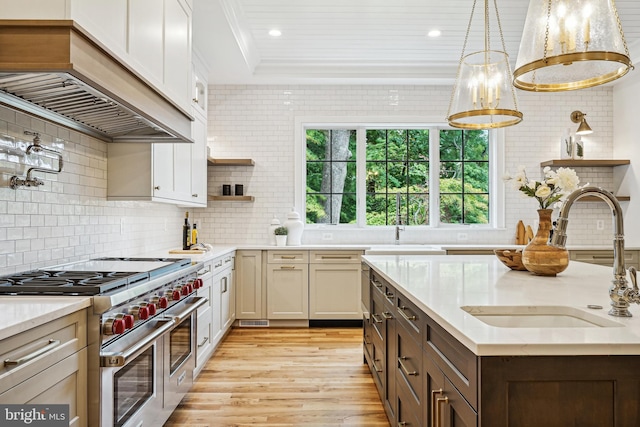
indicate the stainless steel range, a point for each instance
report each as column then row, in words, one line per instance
column 141, row 335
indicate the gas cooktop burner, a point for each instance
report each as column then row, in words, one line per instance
column 82, row 279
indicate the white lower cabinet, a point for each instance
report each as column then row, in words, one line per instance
column 334, row 291
column 288, row 285
column 293, row 284
column 204, row 330
column 249, row 285
column 48, row 365
column 216, row 317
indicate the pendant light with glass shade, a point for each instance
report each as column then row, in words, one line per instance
column 571, row 44
column 483, row 95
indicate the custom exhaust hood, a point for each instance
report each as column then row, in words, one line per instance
column 56, row 71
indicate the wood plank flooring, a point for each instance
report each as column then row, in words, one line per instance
column 284, row 377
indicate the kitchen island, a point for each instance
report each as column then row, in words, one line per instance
column 439, row 358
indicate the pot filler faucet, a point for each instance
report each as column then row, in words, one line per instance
column 619, row 293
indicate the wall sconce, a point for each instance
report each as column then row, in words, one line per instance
column 583, row 127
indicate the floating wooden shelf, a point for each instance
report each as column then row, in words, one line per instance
column 230, row 162
column 232, row 198
column 585, row 163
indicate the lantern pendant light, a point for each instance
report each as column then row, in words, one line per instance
column 483, row 95
column 571, row 44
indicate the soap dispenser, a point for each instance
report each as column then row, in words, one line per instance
column 275, row 223
column 295, row 227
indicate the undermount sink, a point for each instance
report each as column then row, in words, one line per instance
column 538, row 317
column 406, row 249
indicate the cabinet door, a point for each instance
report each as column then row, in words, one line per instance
column 146, row 20
column 182, row 172
column 226, row 301
column 163, row 173
column 92, row 15
column 334, row 291
column 288, row 291
column 456, row 411
column 249, row 285
column 177, row 51
column 199, row 161
column 63, row 383
column 216, row 307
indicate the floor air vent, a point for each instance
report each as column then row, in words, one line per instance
column 254, row 323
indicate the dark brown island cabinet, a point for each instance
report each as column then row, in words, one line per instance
column 426, row 377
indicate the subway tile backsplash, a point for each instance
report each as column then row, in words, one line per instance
column 69, row 218
column 258, row 122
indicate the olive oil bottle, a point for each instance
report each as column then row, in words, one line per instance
column 186, row 233
column 194, row 234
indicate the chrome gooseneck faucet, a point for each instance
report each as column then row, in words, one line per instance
column 620, row 294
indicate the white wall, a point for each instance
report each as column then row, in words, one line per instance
column 258, row 122
column 69, row 218
column 626, row 96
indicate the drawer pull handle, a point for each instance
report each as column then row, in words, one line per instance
column 403, row 424
column 411, row 318
column 376, row 318
column 336, row 257
column 389, row 296
column 434, row 394
column 439, row 417
column 204, row 341
column 218, row 264
column 287, row 257
column 376, row 366
column 387, row 315
column 52, row 344
column 287, row 267
column 404, row 368
column 204, row 271
column 376, row 284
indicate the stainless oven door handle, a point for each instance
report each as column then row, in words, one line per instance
column 121, row 358
column 193, row 305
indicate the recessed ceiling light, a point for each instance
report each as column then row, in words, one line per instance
column 275, row 33
column 434, row 33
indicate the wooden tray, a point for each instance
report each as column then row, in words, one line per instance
column 187, row 251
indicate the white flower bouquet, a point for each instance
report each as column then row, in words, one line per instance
column 554, row 187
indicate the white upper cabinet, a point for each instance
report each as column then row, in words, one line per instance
column 152, row 37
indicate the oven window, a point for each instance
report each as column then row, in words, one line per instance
column 180, row 344
column 133, row 386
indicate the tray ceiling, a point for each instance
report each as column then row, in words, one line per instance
column 355, row 41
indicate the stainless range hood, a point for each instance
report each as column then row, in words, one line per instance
column 56, row 71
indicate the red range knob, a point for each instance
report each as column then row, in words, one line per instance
column 118, row 326
column 163, row 302
column 175, row 295
column 186, row 289
column 128, row 321
column 143, row 313
column 197, row 284
column 151, row 308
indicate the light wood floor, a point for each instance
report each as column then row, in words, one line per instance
column 284, row 377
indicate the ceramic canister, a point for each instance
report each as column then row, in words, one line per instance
column 295, row 227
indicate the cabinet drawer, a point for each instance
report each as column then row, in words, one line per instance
column 217, row 265
column 409, row 362
column 206, row 270
column 335, row 257
column 603, row 257
column 382, row 287
column 377, row 365
column 63, row 383
column 204, row 337
column 410, row 317
column 456, row 361
column 367, row 337
column 378, row 316
column 287, row 257
column 41, row 347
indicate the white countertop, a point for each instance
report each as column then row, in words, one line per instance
column 18, row 314
column 440, row 285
